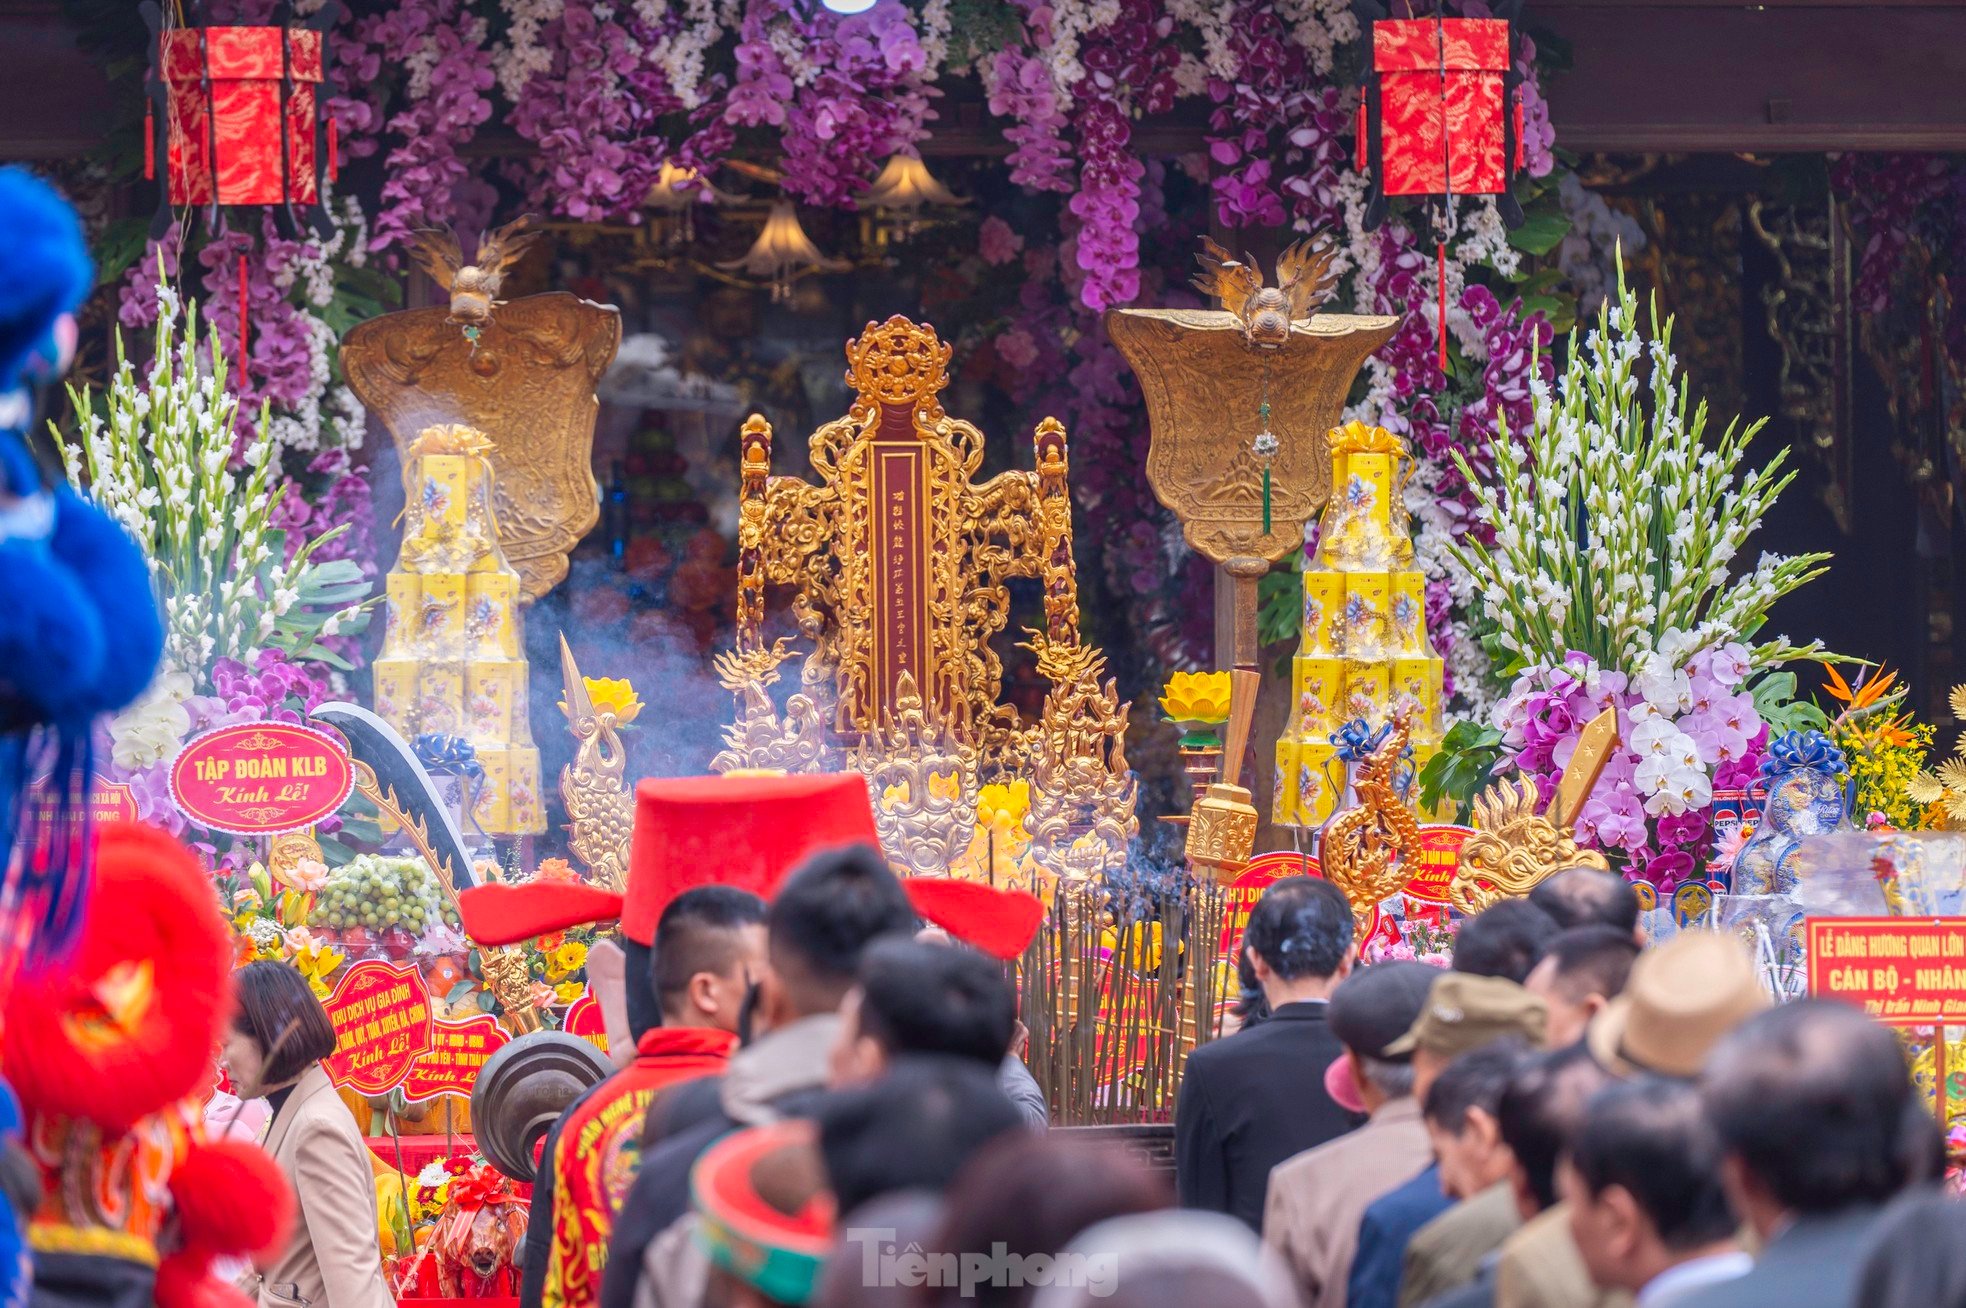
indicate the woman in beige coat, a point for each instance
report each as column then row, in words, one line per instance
column 274, row 1048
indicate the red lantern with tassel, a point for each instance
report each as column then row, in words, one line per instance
column 236, row 113
column 1442, row 106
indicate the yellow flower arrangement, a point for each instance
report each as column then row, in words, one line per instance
column 611, row 695
column 317, row 962
column 1943, row 790
column 566, row 959
column 1002, row 806
column 1142, row 952
column 568, row 991
column 1201, row 697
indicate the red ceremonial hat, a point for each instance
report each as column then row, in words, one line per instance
column 999, row 923
column 744, row 831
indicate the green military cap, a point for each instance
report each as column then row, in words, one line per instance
column 1465, row 1012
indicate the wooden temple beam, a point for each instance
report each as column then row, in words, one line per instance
column 1663, row 75
column 1781, row 76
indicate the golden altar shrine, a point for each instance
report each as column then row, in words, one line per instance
column 897, row 559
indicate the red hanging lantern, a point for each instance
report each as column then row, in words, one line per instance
column 1443, row 103
column 240, row 112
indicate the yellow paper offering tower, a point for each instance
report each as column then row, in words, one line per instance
column 1365, row 652
column 452, row 662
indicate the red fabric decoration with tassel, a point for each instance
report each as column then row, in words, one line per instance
column 1441, row 134
column 1441, row 276
column 245, row 305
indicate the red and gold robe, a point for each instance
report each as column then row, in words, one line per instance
column 600, row 1148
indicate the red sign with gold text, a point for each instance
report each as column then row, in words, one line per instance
column 900, row 539
column 1902, row 971
column 1440, row 854
column 1249, row 885
column 109, row 801
column 382, row 1025
column 261, row 778
column 584, row 1020
column 458, row 1049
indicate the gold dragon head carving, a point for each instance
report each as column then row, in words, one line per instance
column 1513, row 848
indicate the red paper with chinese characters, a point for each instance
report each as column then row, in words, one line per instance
column 238, row 116
column 1425, row 122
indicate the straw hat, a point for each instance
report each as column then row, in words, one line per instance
column 1682, row 998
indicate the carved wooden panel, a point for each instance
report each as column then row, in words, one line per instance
column 528, row 384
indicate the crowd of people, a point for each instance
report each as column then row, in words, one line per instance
column 826, row 1104
column 1565, row 1117
column 826, row 1107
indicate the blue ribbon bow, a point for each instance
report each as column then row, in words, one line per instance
column 450, row 755
column 1794, row 750
column 1356, row 739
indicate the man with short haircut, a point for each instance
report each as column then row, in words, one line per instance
column 1251, row 1100
column 1506, row 939
column 1536, row 1114
column 1463, row 1013
column 1589, row 896
column 1317, row 1198
column 1471, row 1174
column 1539, row 1266
column 1642, row 1183
column 1818, row 1126
column 1586, row 969
column 915, row 997
column 912, row 1128
column 684, row 995
column 1461, row 1112
column 817, row 928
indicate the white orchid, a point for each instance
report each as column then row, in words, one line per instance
column 157, row 454
column 1628, row 507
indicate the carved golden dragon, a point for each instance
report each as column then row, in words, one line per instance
column 1370, row 852
column 600, row 802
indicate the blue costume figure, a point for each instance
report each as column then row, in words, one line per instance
column 79, row 636
column 79, row 632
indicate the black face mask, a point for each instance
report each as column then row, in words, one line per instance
column 745, row 1011
column 644, row 1012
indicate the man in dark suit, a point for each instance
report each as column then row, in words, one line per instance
column 1256, row 1098
column 1819, row 1126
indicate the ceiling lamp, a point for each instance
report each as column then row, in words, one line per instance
column 849, row 6
column 783, row 253
column 672, row 200
column 899, row 193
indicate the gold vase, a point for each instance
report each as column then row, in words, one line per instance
column 1222, row 831
column 1222, row 828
